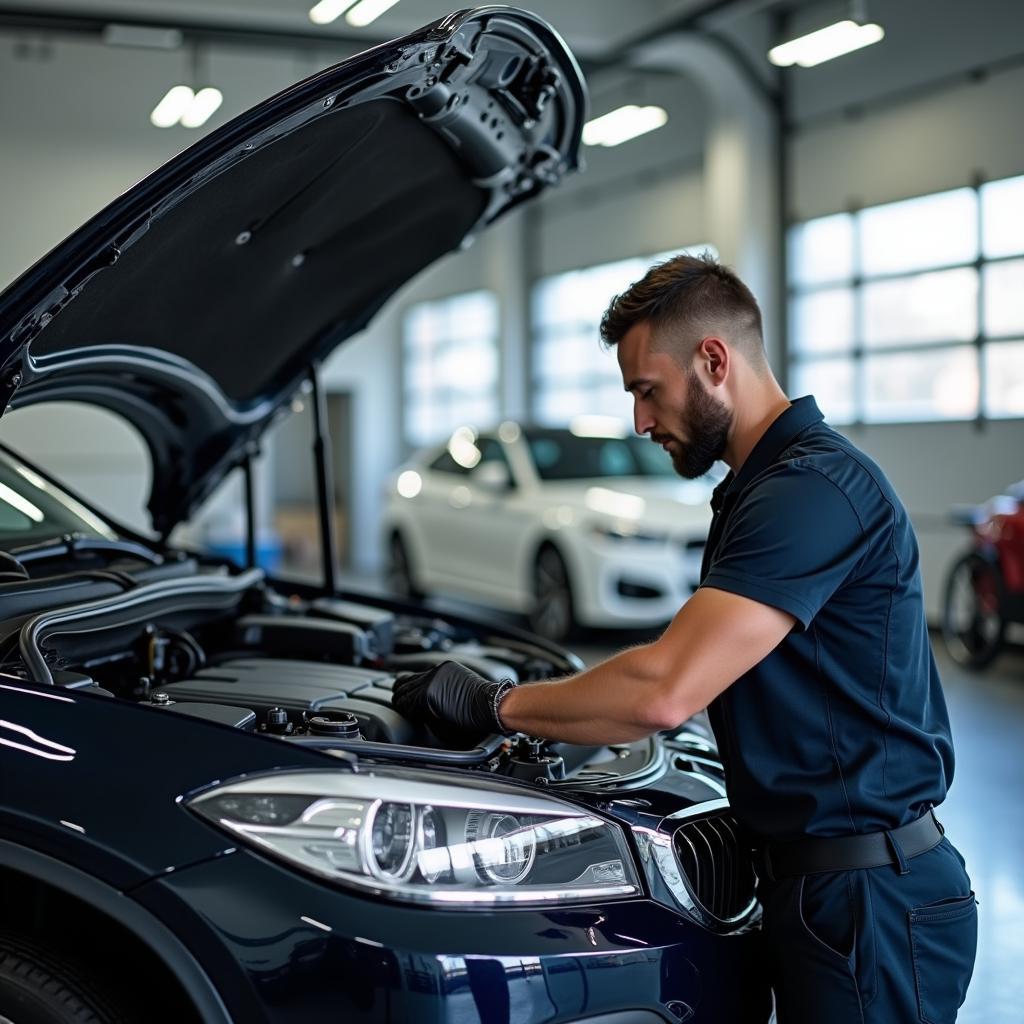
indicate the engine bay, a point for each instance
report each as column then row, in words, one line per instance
column 307, row 669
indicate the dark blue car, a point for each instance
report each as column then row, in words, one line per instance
column 209, row 810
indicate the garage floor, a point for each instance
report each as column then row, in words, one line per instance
column 983, row 816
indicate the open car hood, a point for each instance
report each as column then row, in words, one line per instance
column 196, row 303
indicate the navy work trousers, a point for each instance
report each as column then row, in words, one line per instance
column 872, row 946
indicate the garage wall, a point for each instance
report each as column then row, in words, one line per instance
column 65, row 155
column 634, row 200
column 869, row 129
column 870, row 132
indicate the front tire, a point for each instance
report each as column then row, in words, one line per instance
column 973, row 619
column 400, row 578
column 42, row 987
column 551, row 615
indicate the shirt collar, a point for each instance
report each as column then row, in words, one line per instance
column 800, row 415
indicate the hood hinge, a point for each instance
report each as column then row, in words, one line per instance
column 10, row 381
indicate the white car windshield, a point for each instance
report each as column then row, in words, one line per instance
column 562, row 455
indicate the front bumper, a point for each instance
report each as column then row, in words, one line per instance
column 633, row 583
column 281, row 947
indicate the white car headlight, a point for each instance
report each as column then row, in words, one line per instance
column 627, row 532
column 400, row 836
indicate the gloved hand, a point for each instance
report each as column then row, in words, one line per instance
column 456, row 704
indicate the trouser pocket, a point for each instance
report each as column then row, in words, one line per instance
column 944, row 940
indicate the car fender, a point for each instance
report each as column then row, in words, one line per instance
column 136, row 919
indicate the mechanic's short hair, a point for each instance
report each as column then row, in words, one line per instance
column 686, row 298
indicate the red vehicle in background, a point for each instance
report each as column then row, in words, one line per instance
column 985, row 586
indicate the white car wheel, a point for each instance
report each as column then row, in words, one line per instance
column 400, row 578
column 552, row 612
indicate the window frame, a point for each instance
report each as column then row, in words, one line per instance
column 545, row 333
column 861, row 352
column 445, row 390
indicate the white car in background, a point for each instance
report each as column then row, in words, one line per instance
column 587, row 525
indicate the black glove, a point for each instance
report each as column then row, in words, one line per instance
column 455, row 703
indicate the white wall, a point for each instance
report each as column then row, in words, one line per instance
column 61, row 160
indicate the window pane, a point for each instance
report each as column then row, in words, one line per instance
column 450, row 368
column 1002, row 217
column 1004, row 298
column 823, row 321
column 928, row 307
column 611, row 400
column 832, row 382
column 822, row 250
column 573, row 373
column 572, row 354
column 556, row 408
column 930, row 231
column 936, row 385
column 1004, row 379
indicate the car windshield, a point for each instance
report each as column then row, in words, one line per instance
column 562, row 455
column 33, row 509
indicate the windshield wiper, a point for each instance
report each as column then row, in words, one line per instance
column 72, row 544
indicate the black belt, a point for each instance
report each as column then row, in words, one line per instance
column 849, row 853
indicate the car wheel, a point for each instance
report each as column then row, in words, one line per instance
column 973, row 623
column 552, row 613
column 400, row 575
column 41, row 987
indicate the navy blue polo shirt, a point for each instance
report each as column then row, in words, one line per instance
column 843, row 727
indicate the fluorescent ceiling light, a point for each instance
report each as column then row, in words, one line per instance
column 368, row 10
column 203, row 104
column 327, row 11
column 623, row 124
column 826, row 43
column 169, row 110
column 183, row 106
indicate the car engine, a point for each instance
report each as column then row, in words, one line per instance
column 311, row 670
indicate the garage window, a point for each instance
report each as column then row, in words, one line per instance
column 451, row 365
column 911, row 311
column 572, row 373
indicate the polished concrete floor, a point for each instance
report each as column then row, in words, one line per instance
column 983, row 816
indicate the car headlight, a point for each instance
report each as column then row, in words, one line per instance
column 626, row 532
column 400, row 836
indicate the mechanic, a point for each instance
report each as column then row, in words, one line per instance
column 807, row 643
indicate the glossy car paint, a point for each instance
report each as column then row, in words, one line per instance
column 466, row 538
column 277, row 945
column 93, row 788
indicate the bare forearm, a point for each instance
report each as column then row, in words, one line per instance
column 619, row 700
column 715, row 639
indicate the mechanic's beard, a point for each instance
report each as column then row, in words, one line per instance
column 707, row 422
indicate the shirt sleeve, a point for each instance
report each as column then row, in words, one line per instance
column 791, row 543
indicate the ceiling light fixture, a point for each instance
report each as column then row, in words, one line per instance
column 202, row 107
column 368, row 10
column 183, row 106
column 168, row 111
column 825, row 44
column 327, row 11
column 623, row 124
column 843, row 35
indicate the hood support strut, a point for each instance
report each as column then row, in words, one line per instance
column 250, row 513
column 324, row 483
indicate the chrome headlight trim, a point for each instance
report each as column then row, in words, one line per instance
column 464, row 871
